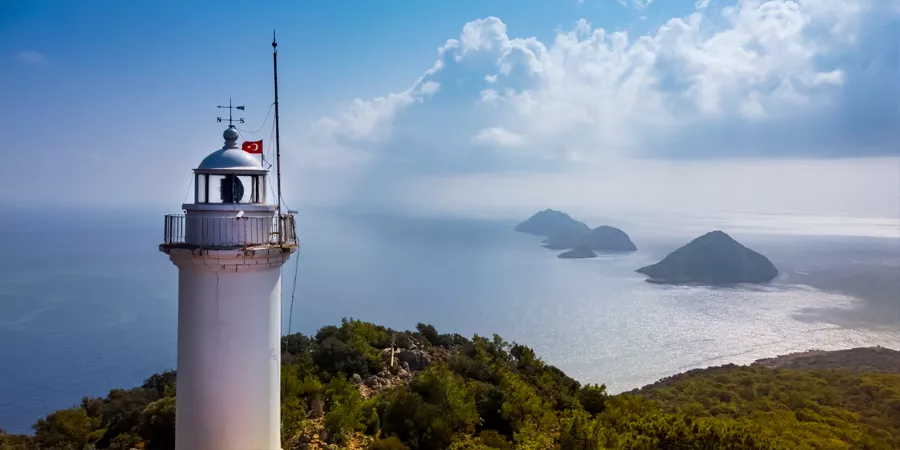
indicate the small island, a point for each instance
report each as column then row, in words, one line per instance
column 712, row 259
column 550, row 222
column 562, row 232
column 578, row 253
column 603, row 239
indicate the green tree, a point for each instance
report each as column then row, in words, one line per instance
column 428, row 412
column 156, row 424
column 68, row 429
column 593, row 398
column 389, row 443
column 16, row 442
column 347, row 412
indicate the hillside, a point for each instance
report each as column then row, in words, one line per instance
column 867, row 359
column 448, row 391
column 841, row 400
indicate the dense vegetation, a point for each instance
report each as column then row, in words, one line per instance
column 447, row 391
column 817, row 409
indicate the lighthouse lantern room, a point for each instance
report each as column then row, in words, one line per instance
column 229, row 246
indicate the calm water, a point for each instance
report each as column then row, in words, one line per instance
column 94, row 308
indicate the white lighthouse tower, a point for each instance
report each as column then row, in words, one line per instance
column 229, row 246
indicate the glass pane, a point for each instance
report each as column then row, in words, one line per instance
column 243, row 188
column 262, row 189
column 215, row 188
column 200, row 189
column 230, row 189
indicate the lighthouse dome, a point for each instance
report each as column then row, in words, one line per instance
column 230, row 157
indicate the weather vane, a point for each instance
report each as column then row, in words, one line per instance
column 230, row 108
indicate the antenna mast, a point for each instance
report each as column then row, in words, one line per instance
column 277, row 141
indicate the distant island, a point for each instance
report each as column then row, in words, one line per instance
column 712, row 259
column 562, row 232
column 550, row 222
column 339, row 390
column 603, row 239
column 578, row 253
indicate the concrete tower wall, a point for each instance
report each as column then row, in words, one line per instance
column 229, row 322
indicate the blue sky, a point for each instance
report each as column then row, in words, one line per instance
column 116, row 100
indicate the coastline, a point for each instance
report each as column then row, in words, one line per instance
column 877, row 358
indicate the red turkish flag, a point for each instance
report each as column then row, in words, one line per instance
column 254, row 147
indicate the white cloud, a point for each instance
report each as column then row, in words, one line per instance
column 428, row 88
column 637, row 4
column 346, row 137
column 31, row 56
column 590, row 94
column 702, row 4
column 499, row 136
column 489, row 96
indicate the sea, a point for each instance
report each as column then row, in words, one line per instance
column 88, row 303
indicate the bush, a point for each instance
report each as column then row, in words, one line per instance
column 493, row 439
column 156, row 424
column 593, row 398
column 347, row 412
column 428, row 412
column 125, row 441
column 16, row 442
column 494, row 395
column 390, row 443
column 68, row 428
column 163, row 384
column 335, row 357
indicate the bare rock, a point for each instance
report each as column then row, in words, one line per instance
column 415, row 359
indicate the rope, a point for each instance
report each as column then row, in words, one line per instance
column 263, row 124
column 293, row 292
column 190, row 184
column 271, row 157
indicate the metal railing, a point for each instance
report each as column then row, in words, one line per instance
column 228, row 231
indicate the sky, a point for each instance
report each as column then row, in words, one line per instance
column 462, row 107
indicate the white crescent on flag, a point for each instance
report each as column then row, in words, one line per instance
column 252, row 147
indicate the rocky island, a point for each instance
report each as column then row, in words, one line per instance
column 578, row 253
column 712, row 259
column 603, row 239
column 550, row 222
column 562, row 232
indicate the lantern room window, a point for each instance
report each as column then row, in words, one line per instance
column 230, row 188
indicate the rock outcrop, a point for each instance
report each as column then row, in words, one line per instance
column 407, row 362
column 578, row 253
column 414, row 359
column 712, row 259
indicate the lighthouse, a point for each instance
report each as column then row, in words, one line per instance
column 229, row 246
